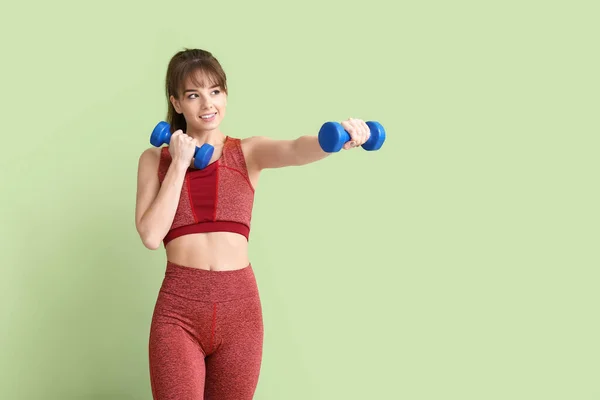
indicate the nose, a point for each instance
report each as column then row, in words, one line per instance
column 205, row 102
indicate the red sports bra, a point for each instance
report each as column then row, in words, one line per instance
column 217, row 198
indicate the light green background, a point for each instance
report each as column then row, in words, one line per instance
column 459, row 262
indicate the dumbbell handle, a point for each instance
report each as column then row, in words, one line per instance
column 162, row 135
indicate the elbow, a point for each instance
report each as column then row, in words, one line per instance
column 150, row 240
column 151, row 244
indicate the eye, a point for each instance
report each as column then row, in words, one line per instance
column 193, row 94
column 216, row 91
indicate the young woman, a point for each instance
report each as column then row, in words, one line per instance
column 206, row 335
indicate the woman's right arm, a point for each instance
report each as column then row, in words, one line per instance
column 156, row 204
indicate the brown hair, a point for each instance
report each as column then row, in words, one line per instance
column 183, row 65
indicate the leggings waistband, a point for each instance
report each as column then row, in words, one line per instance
column 204, row 285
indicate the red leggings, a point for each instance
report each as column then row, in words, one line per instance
column 206, row 336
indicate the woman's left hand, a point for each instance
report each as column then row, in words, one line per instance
column 358, row 130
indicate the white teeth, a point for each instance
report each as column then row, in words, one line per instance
column 207, row 116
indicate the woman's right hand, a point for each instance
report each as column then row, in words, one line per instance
column 182, row 147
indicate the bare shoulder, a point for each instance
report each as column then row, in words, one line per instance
column 253, row 144
column 249, row 150
column 248, row 145
column 264, row 152
column 149, row 159
column 150, row 155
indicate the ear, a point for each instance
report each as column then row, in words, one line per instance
column 176, row 104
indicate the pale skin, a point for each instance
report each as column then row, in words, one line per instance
column 156, row 204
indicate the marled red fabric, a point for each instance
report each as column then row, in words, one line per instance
column 206, row 336
column 219, row 197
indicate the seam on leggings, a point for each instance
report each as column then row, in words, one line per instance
column 214, row 323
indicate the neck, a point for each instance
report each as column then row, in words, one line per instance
column 214, row 137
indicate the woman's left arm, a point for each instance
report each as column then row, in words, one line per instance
column 264, row 152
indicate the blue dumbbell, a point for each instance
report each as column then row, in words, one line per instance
column 162, row 134
column 333, row 136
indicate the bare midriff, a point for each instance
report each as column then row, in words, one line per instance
column 213, row 251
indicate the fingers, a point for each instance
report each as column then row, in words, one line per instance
column 182, row 138
column 177, row 134
column 358, row 130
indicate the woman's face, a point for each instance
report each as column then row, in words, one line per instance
column 202, row 103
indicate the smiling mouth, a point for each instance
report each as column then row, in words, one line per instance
column 208, row 116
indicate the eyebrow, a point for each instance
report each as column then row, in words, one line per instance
column 194, row 90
